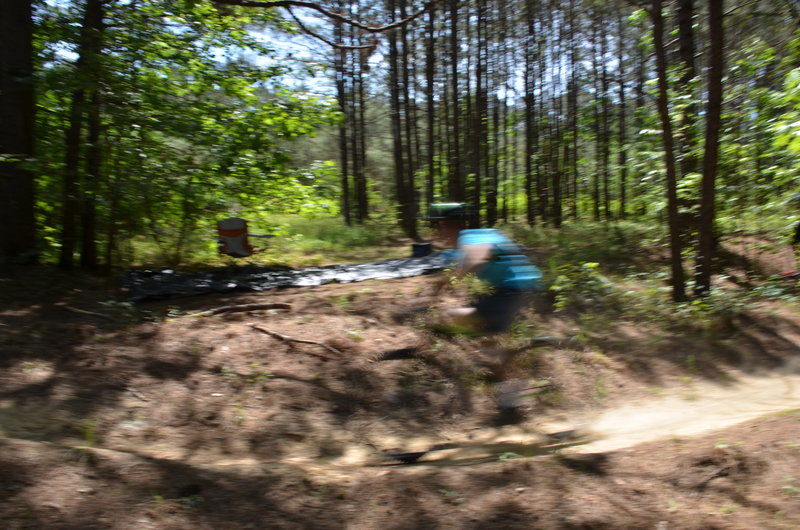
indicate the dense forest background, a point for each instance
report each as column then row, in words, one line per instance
column 132, row 125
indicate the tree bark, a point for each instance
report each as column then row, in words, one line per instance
column 531, row 125
column 716, row 66
column 17, row 182
column 622, row 155
column 456, row 191
column 344, row 148
column 86, row 81
column 676, row 261
column 430, row 107
column 88, row 260
column 409, row 129
column 687, row 147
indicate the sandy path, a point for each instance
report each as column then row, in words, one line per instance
column 698, row 408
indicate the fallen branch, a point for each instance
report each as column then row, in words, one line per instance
column 717, row 473
column 286, row 338
column 238, row 308
column 135, row 393
column 90, row 313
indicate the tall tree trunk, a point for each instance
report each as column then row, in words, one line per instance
column 530, row 113
column 716, row 66
column 556, row 163
column 605, row 140
column 456, row 191
column 623, row 140
column 430, row 108
column 70, row 196
column 402, row 191
column 409, row 152
column 493, row 166
column 88, row 260
column 688, row 136
column 491, row 134
column 344, row 148
column 572, row 112
column 676, row 261
column 18, row 233
column 86, row 79
column 540, row 136
column 598, row 128
column 362, row 195
column 638, row 120
column 480, row 112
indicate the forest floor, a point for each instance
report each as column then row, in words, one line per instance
column 159, row 419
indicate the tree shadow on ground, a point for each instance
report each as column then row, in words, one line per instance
column 755, row 344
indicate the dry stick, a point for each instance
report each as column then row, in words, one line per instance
column 721, row 472
column 237, row 308
column 137, row 394
column 291, row 339
column 90, row 313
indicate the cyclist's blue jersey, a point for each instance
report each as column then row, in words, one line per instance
column 507, row 267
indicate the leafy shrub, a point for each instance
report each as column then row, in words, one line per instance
column 582, row 286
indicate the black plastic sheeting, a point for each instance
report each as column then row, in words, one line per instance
column 165, row 283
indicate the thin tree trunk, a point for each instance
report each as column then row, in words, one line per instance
column 88, row 260
column 480, row 112
column 623, row 140
column 362, row 194
column 86, row 70
column 598, row 130
column 409, row 125
column 688, row 136
column 456, row 189
column 341, row 96
column 716, row 66
column 678, row 278
column 530, row 114
column 70, row 194
column 572, row 111
column 401, row 186
column 605, row 140
column 430, row 64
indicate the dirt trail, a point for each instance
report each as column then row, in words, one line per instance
column 698, row 408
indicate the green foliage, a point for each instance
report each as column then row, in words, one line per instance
column 789, row 489
column 582, row 286
column 320, row 240
column 301, row 240
column 192, row 129
column 620, row 246
column 472, row 284
column 721, row 303
column 88, row 429
column 788, row 127
column 778, row 289
column 199, row 121
column 451, row 497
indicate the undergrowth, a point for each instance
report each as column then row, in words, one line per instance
column 299, row 242
column 604, row 276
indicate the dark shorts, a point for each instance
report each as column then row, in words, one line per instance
column 499, row 309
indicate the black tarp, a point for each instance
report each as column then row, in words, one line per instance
column 165, row 283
